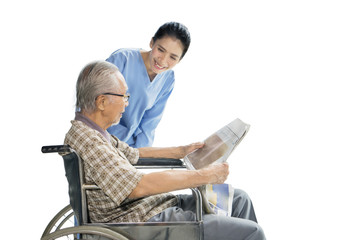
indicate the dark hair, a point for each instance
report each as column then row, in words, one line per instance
column 174, row 29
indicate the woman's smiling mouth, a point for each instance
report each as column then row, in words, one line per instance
column 157, row 66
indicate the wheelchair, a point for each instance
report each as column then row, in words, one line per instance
column 62, row 226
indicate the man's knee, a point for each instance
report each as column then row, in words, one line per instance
column 242, row 206
column 258, row 233
column 241, row 194
column 222, row 227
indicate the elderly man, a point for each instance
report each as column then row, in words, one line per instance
column 128, row 195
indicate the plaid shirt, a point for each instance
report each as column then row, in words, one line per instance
column 108, row 165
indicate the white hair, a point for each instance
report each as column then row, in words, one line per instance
column 95, row 79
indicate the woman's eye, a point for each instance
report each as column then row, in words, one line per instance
column 161, row 50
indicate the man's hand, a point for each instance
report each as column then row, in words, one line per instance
column 169, row 152
column 217, row 173
column 190, row 148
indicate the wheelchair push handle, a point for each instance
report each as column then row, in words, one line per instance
column 56, row 149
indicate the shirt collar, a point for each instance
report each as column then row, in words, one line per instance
column 91, row 124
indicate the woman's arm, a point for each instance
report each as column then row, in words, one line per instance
column 151, row 118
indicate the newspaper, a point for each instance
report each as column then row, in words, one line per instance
column 218, row 146
column 217, row 149
column 220, row 198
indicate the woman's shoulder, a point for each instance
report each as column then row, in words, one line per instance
column 127, row 52
column 123, row 56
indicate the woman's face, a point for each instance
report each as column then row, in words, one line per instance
column 165, row 54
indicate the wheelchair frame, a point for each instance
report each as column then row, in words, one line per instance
column 115, row 231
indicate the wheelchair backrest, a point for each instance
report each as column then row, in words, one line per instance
column 71, row 164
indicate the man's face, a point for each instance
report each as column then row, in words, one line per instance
column 117, row 104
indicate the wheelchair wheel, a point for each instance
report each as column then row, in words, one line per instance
column 63, row 219
column 85, row 232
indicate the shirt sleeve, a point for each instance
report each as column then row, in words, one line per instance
column 132, row 154
column 106, row 166
column 118, row 58
column 144, row 136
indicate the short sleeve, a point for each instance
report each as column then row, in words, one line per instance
column 104, row 165
column 132, row 154
column 118, row 58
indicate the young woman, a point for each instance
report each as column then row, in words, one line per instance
column 150, row 82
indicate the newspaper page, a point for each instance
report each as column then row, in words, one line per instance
column 217, row 149
column 220, row 198
column 218, row 146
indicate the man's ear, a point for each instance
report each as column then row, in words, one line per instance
column 151, row 43
column 100, row 102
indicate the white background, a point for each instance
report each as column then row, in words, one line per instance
column 288, row 68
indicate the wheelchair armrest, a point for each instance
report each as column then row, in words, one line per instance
column 159, row 163
column 142, row 162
